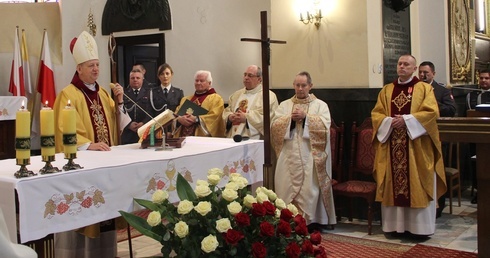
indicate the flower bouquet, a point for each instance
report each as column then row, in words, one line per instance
column 212, row 221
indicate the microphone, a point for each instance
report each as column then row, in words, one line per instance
column 239, row 138
column 112, row 85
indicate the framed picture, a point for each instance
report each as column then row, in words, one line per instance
column 461, row 33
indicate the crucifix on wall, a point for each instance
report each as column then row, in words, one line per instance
column 265, row 42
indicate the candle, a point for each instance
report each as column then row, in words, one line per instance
column 22, row 134
column 68, row 116
column 47, row 131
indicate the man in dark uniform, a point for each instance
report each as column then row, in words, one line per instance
column 447, row 108
column 139, row 117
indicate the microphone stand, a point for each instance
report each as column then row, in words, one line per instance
column 164, row 146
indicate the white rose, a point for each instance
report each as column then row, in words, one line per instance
column 242, row 182
column 209, row 244
column 216, row 171
column 181, row 229
column 272, row 196
column 222, row 225
column 248, row 200
column 231, row 185
column 203, row 208
column 234, row 207
column 184, row 207
column 202, row 190
column 154, row 218
column 278, row 213
column 230, row 194
column 202, row 182
column 262, row 197
column 293, row 209
column 280, row 204
column 260, row 189
column 234, row 177
column 159, row 196
column 213, row 179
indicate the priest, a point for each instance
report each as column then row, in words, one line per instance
column 96, row 130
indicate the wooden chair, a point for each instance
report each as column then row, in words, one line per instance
column 360, row 183
column 453, row 175
column 337, row 149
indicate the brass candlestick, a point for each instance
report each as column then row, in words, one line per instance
column 71, row 165
column 23, row 171
column 48, row 168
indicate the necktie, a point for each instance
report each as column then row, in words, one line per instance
column 165, row 91
column 136, row 92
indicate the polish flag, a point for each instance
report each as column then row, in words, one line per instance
column 45, row 82
column 16, row 86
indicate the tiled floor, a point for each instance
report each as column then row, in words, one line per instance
column 457, row 231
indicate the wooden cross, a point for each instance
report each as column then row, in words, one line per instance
column 265, row 42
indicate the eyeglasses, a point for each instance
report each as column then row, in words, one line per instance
column 249, row 75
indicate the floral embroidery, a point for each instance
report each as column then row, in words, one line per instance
column 60, row 204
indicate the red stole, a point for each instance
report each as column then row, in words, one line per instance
column 98, row 118
column 401, row 102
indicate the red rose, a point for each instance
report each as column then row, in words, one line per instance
column 286, row 215
column 293, row 250
column 307, row 247
column 232, row 236
column 284, row 228
column 301, row 229
column 242, row 219
column 259, row 250
column 299, row 220
column 320, row 252
column 266, row 229
column 258, row 210
column 316, row 238
column 270, row 209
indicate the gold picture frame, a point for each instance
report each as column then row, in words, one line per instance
column 461, row 33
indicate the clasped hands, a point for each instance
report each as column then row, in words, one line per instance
column 298, row 114
column 238, row 117
column 187, row 120
column 398, row 122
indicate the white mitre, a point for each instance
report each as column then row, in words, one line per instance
column 84, row 48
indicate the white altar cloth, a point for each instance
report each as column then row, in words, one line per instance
column 110, row 180
column 9, row 106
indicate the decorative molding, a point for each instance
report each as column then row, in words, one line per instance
column 461, row 32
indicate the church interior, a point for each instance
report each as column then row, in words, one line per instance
column 350, row 47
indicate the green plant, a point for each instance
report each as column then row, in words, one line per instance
column 212, row 221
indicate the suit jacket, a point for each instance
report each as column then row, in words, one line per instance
column 172, row 100
column 445, row 101
column 135, row 112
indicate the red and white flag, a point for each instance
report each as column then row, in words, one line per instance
column 45, row 82
column 16, row 86
column 25, row 67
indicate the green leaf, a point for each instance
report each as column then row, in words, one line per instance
column 184, row 189
column 147, row 204
column 141, row 225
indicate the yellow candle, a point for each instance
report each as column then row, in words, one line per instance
column 23, row 133
column 68, row 116
column 47, row 131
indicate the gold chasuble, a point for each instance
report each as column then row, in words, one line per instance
column 96, row 118
column 404, row 168
column 210, row 124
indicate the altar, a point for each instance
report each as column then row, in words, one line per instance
column 110, row 180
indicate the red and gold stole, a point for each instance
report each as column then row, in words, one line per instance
column 401, row 102
column 96, row 109
column 197, row 98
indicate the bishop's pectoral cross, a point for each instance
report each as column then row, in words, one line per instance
column 265, row 42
